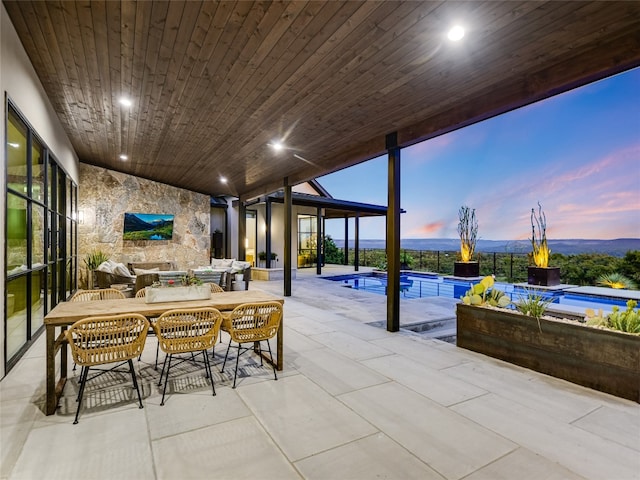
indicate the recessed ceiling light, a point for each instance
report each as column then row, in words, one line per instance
column 456, row 33
column 125, row 102
column 277, row 146
column 223, row 179
column 124, row 157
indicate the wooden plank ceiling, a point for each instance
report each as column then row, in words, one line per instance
column 213, row 83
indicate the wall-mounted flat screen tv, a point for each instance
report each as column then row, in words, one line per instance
column 148, row 226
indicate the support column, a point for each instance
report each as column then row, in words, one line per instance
column 393, row 234
column 242, row 229
column 346, row 240
column 324, row 229
column 357, row 243
column 319, row 238
column 267, row 233
column 288, row 212
column 226, row 234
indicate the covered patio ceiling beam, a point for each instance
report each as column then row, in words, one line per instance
column 612, row 56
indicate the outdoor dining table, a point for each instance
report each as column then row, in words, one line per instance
column 66, row 313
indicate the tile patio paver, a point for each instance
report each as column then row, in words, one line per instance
column 394, row 405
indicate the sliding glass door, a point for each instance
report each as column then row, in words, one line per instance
column 40, row 243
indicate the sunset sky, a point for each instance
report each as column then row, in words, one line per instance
column 578, row 154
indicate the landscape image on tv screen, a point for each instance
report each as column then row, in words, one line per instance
column 147, row 226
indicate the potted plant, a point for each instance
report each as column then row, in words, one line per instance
column 468, row 232
column 262, row 256
column 605, row 356
column 540, row 273
column 92, row 260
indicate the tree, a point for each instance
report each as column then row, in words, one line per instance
column 585, row 268
column 332, row 254
column 630, row 265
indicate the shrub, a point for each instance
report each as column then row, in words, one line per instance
column 533, row 304
column 625, row 321
column 615, row 280
column 94, row 259
column 483, row 293
column 332, row 254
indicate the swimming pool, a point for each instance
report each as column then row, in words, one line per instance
column 419, row 285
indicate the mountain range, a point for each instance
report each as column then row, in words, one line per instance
column 617, row 247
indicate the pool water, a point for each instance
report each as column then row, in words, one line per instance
column 416, row 285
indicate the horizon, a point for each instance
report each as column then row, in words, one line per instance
column 497, row 240
column 577, row 153
column 567, row 246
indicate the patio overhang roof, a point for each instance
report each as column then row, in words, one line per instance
column 332, row 207
column 214, row 83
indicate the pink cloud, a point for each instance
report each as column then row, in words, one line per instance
column 626, row 159
column 430, row 228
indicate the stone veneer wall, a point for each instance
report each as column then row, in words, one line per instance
column 105, row 196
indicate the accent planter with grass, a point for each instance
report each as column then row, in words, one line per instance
column 177, row 294
column 602, row 359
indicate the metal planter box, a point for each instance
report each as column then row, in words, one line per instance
column 544, row 276
column 605, row 360
column 466, row 269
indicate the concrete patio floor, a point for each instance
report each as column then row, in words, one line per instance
column 353, row 402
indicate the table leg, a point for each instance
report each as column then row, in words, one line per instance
column 54, row 390
column 63, row 357
column 52, row 401
column 279, row 361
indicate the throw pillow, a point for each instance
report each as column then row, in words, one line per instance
column 216, row 262
column 222, row 262
column 142, row 271
column 237, row 267
column 122, row 270
column 105, row 267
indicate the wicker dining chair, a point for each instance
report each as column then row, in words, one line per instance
column 252, row 323
column 215, row 288
column 106, row 339
column 101, row 294
column 190, row 330
column 142, row 293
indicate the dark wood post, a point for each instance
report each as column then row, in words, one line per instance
column 346, row 240
column 288, row 213
column 393, row 234
column 242, row 229
column 267, row 233
column 319, row 239
column 356, row 261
